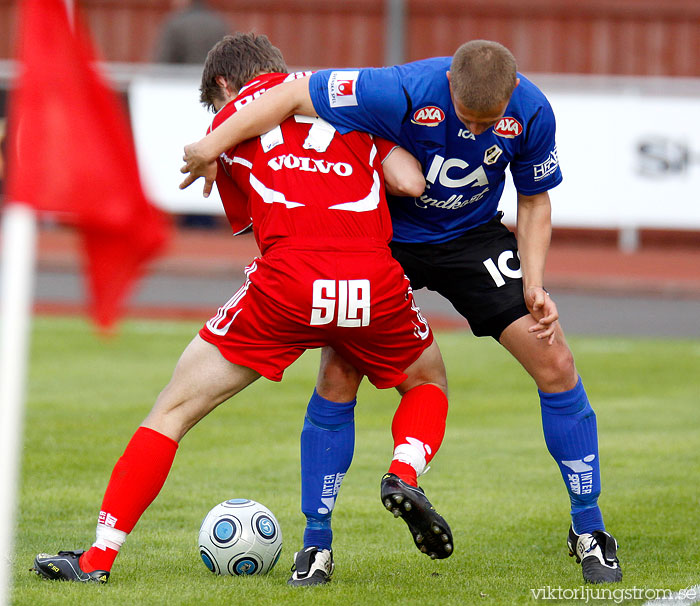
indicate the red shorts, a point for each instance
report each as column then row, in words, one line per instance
column 358, row 302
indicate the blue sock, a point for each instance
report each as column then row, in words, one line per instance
column 571, row 435
column 327, row 446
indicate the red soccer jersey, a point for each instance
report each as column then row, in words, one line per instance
column 303, row 181
column 326, row 276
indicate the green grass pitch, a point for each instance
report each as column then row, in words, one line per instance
column 493, row 479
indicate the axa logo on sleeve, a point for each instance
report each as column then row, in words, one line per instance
column 428, row 116
column 508, row 127
column 342, row 88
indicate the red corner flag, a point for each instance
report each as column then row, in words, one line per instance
column 72, row 154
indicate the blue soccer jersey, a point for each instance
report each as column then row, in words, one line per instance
column 465, row 174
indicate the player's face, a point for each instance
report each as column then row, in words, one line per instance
column 478, row 122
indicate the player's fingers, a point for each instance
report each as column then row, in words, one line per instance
column 547, row 333
column 208, row 184
column 553, row 315
column 551, row 318
column 540, row 300
column 537, row 327
column 189, row 180
column 550, row 338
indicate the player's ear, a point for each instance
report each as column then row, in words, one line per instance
column 222, row 82
column 447, row 73
column 517, row 81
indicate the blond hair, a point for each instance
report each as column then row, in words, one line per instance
column 483, row 74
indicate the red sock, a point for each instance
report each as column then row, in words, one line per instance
column 96, row 559
column 136, row 480
column 418, row 429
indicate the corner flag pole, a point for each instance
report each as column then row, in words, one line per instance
column 16, row 289
column 17, row 270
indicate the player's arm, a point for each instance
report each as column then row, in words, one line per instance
column 534, row 235
column 252, row 120
column 403, row 175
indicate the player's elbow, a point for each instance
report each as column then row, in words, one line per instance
column 413, row 185
column 409, row 183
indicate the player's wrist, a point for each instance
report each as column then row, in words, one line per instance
column 211, row 146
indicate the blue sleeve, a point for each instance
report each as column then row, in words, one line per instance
column 536, row 167
column 370, row 100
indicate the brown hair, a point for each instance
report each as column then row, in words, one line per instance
column 483, row 74
column 238, row 58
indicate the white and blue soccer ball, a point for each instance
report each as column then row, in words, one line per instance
column 240, row 537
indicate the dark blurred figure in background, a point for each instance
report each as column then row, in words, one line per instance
column 185, row 37
column 189, row 32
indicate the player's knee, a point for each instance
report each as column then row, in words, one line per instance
column 337, row 387
column 174, row 413
column 416, row 380
column 338, row 380
column 558, row 372
column 439, row 381
column 429, row 368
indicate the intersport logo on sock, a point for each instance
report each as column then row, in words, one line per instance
column 331, row 486
column 581, row 480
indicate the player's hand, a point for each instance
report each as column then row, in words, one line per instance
column 198, row 164
column 544, row 310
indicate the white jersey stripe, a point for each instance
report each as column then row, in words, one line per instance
column 270, row 196
column 212, row 324
column 368, row 203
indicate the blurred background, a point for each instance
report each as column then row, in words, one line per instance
column 623, row 78
column 625, row 37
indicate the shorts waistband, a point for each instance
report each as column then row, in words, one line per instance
column 335, row 244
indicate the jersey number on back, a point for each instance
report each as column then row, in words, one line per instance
column 320, row 135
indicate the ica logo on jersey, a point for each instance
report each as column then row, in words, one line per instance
column 508, row 128
column 453, row 173
column 428, row 116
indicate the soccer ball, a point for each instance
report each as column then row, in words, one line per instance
column 240, row 537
